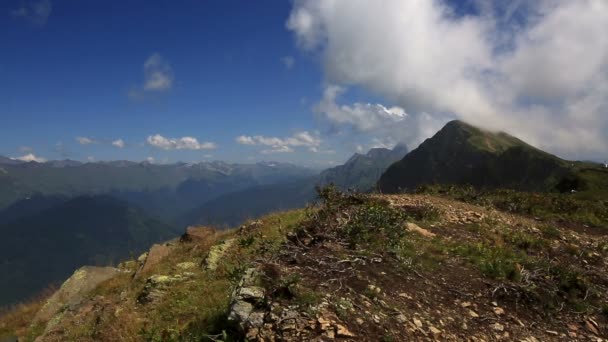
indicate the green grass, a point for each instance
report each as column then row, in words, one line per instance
column 549, row 206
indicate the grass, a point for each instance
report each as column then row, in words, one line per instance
column 16, row 320
column 568, row 207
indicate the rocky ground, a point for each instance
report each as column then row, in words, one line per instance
column 356, row 268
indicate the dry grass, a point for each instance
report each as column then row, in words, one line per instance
column 16, row 319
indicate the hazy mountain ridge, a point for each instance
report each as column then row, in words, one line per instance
column 362, row 171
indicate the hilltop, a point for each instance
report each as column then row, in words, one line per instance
column 352, row 268
column 463, row 154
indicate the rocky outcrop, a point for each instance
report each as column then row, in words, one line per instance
column 72, row 292
column 216, row 253
column 246, row 307
column 156, row 254
column 157, row 285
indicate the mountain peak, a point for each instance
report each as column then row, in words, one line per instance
column 461, row 153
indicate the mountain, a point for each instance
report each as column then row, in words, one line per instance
column 463, row 154
column 186, row 185
column 45, row 246
column 362, row 171
column 234, row 208
column 9, row 161
column 355, row 268
column 29, row 206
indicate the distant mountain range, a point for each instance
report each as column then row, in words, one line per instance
column 60, row 215
column 360, row 172
column 181, row 186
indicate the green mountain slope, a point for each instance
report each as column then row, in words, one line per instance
column 463, row 154
column 44, row 248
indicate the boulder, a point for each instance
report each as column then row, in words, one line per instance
column 216, row 253
column 156, row 254
column 73, row 290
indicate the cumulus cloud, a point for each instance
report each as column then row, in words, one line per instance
column 282, row 145
column 119, row 143
column 36, row 12
column 184, row 143
column 30, row 157
column 288, row 62
column 535, row 69
column 85, row 141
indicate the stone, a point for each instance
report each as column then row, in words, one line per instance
column 343, row 331
column 418, row 323
column 473, row 314
column 405, row 295
column 436, row 332
column 240, row 311
column 254, row 293
column 156, row 286
column 498, row 327
column 216, row 253
column 186, row 265
column 359, row 321
column 499, row 311
column 74, row 290
column 412, row 227
column 156, row 254
column 401, row 318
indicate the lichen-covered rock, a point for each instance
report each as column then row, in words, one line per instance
column 73, row 290
column 245, row 299
column 216, row 253
column 157, row 285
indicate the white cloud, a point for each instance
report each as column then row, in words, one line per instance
column 118, row 143
column 278, row 149
column 150, row 160
column 535, row 69
column 288, row 62
column 85, row 141
column 184, row 143
column 158, row 77
column 36, row 12
column 30, row 157
column 158, row 74
column 361, row 116
column 90, row 159
column 25, row 149
column 282, row 145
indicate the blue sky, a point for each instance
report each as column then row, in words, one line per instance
column 72, row 75
column 302, row 81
